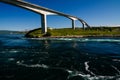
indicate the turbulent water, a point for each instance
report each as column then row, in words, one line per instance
column 59, row 58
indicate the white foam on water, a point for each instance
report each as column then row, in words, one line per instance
column 33, row 65
column 9, row 51
column 87, row 39
column 116, row 69
column 101, row 40
column 75, row 73
column 13, row 51
column 11, row 59
column 68, row 39
column 88, row 76
column 80, row 39
column 116, row 60
column 101, row 77
column 87, row 68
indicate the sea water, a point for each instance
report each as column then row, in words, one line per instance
column 59, row 58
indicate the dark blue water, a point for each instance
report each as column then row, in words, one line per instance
column 59, row 58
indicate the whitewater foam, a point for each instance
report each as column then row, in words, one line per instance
column 80, row 39
column 33, row 65
column 116, row 69
column 89, row 77
column 87, row 68
column 116, row 60
column 13, row 51
column 11, row 59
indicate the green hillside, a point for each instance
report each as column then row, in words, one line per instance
column 67, row 32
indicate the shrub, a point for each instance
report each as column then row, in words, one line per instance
column 47, row 34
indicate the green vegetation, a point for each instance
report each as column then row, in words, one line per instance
column 67, row 32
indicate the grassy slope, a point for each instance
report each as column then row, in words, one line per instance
column 104, row 31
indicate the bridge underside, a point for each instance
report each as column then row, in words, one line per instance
column 44, row 12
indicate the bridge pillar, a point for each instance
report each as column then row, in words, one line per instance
column 44, row 23
column 83, row 25
column 73, row 24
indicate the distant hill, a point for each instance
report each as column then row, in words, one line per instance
column 11, row 32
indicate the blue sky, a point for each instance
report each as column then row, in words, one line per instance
column 94, row 12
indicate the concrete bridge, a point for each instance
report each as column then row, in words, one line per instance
column 44, row 12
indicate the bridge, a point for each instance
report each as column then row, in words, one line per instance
column 44, row 12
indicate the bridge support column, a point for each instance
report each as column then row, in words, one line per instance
column 73, row 24
column 83, row 25
column 44, row 23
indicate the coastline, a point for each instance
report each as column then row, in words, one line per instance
column 81, row 36
column 77, row 33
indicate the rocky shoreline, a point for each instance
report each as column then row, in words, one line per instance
column 81, row 36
